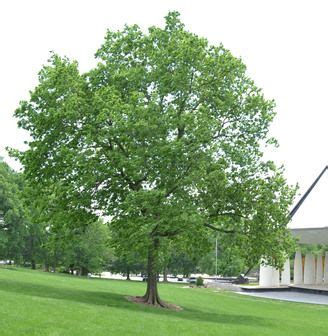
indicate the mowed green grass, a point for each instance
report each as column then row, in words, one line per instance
column 37, row 303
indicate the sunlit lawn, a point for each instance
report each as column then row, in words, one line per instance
column 37, row 303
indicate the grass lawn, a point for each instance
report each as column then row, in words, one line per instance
column 37, row 303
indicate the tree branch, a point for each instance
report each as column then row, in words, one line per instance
column 168, row 233
column 176, row 184
column 232, row 214
column 219, row 229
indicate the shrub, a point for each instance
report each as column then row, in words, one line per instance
column 199, row 281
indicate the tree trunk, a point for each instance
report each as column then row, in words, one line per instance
column 46, row 267
column 152, row 296
column 128, row 273
column 84, row 271
column 165, row 274
column 33, row 265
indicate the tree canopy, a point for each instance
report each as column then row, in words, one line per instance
column 165, row 136
column 12, row 214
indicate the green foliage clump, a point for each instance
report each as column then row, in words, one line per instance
column 199, row 281
column 13, row 220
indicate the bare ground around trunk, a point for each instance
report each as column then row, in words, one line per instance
column 141, row 300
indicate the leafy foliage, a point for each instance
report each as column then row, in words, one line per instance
column 12, row 224
column 127, row 263
column 199, row 281
column 88, row 251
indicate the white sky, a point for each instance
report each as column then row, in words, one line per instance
column 312, row 213
column 283, row 43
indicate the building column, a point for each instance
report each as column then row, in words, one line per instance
column 325, row 278
column 298, row 268
column 265, row 276
column 309, row 269
column 285, row 274
column 269, row 276
column 319, row 271
column 275, row 277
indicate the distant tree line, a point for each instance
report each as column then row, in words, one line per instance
column 37, row 230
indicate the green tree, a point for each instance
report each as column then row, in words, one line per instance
column 182, row 256
column 88, row 250
column 230, row 259
column 182, row 263
column 36, row 233
column 127, row 263
column 13, row 223
column 54, row 225
column 164, row 135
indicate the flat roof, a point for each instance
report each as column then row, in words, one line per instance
column 317, row 235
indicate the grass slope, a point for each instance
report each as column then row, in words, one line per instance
column 37, row 303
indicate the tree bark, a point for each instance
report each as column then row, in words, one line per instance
column 165, row 274
column 151, row 296
column 84, row 271
column 128, row 273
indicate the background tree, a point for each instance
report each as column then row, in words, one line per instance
column 164, row 135
column 88, row 250
column 58, row 233
column 182, row 263
column 13, row 224
column 230, row 258
column 127, row 264
column 183, row 254
column 36, row 233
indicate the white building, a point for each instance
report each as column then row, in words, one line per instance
column 309, row 223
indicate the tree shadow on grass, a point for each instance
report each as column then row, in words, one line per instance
column 108, row 299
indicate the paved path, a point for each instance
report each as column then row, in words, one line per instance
column 291, row 296
column 224, row 286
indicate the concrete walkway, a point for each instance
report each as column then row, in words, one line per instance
column 291, row 296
